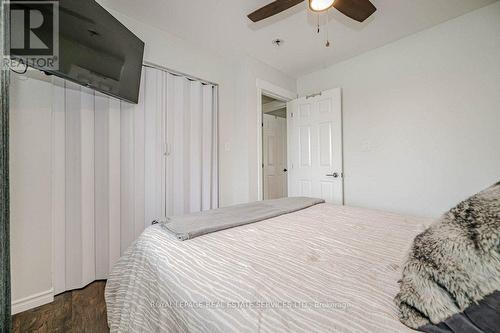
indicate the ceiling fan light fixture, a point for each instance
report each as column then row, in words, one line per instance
column 320, row 5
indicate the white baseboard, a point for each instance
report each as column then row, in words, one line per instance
column 32, row 301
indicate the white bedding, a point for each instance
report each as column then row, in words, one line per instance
column 323, row 269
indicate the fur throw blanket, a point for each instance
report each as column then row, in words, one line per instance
column 454, row 264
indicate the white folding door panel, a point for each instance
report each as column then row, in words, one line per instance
column 196, row 146
column 315, row 147
column 80, row 250
column 191, row 140
column 107, row 184
column 153, row 91
column 132, row 175
column 85, row 185
column 214, row 180
column 118, row 166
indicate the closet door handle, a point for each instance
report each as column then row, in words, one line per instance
column 334, row 175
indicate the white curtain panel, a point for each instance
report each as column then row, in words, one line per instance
column 118, row 166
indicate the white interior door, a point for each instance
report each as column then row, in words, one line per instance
column 315, row 147
column 274, row 157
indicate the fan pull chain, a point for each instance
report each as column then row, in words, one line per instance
column 318, row 23
column 327, row 28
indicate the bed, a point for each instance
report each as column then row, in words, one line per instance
column 326, row 268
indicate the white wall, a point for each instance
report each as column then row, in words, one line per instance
column 32, row 101
column 421, row 116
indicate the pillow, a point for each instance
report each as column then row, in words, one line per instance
column 451, row 277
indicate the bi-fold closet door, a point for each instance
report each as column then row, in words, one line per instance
column 118, row 166
column 191, row 137
column 169, row 149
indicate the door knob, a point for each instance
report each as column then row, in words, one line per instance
column 285, row 170
column 334, row 175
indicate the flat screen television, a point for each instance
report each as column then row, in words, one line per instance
column 95, row 49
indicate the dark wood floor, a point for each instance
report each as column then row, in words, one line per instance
column 81, row 310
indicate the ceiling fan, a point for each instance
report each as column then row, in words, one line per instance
column 358, row 10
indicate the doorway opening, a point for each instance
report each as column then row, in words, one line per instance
column 268, row 89
column 274, row 148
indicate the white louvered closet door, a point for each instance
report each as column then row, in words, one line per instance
column 118, row 166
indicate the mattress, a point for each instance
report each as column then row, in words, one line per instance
column 326, row 268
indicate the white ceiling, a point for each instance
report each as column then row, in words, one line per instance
column 222, row 26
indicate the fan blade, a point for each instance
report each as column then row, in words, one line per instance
column 272, row 9
column 358, row 10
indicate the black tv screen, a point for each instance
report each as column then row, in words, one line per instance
column 94, row 48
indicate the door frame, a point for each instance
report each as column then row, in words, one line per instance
column 271, row 90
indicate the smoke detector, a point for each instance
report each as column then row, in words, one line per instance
column 278, row 42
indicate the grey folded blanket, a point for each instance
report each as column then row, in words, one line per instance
column 451, row 278
column 198, row 224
